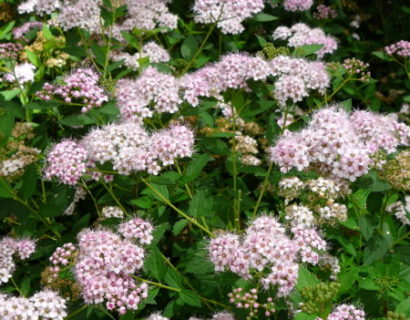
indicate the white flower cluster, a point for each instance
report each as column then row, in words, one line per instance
column 129, row 147
column 401, row 210
column 112, row 212
column 10, row 248
column 301, row 34
column 228, row 15
column 44, row 305
column 150, row 50
column 22, row 73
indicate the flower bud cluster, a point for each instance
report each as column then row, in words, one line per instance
column 357, row 67
column 324, row 12
column 317, row 296
column 16, row 155
column 11, row 248
column 10, row 50
column 397, row 171
column 249, row 301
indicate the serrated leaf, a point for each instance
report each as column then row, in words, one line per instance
column 200, row 206
column 305, row 278
column 190, row 298
column 195, row 167
column 189, row 47
column 376, row 249
column 179, row 226
column 155, row 265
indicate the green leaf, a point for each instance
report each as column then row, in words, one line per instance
column 41, row 105
column 382, row 55
column 25, row 285
column 57, row 202
column 200, row 205
column 29, row 182
column 5, row 189
column 46, row 32
column 154, row 264
column 189, row 47
column 304, row 316
column 366, row 226
column 143, row 202
column 308, row 49
column 179, row 226
column 6, row 123
column 77, row 120
column 264, row 17
column 195, row 167
column 5, row 30
column 160, row 189
column 305, row 278
column 376, row 249
column 189, row 297
column 404, row 307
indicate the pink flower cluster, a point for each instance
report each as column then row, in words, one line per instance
column 265, row 246
column 301, row 34
column 324, row 12
column 401, row 48
column 137, row 229
column 9, row 248
column 67, row 161
column 62, row 256
column 41, row 7
column 81, row 85
column 10, row 50
column 346, row 312
column 217, row 316
column 130, row 148
column 150, row 50
column 44, row 305
column 338, row 143
column 229, row 15
column 142, row 14
column 297, row 5
column 19, row 32
column 296, row 77
column 232, row 71
column 155, row 88
column 104, row 269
